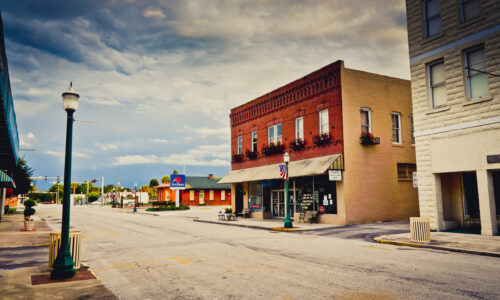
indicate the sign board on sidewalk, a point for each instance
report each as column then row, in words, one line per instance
column 177, row 182
column 335, row 175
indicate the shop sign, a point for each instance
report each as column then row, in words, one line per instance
column 255, row 206
column 415, row 180
column 321, row 209
column 177, row 182
column 335, row 175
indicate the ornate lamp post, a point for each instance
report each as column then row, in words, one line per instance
column 114, row 194
column 63, row 265
column 31, row 185
column 288, row 222
column 135, row 197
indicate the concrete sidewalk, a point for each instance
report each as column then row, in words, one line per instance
column 449, row 241
column 24, row 256
column 267, row 224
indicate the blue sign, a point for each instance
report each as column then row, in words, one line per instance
column 177, row 182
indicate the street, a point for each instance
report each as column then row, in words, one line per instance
column 167, row 255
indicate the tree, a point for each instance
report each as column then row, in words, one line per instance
column 74, row 187
column 21, row 176
column 93, row 197
column 165, row 179
column 145, row 188
column 56, row 187
column 153, row 182
column 108, row 188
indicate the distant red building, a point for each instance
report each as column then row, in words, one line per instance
column 200, row 190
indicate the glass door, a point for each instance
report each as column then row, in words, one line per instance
column 278, row 203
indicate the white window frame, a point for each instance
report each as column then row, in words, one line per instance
column 398, row 128
column 254, row 140
column 240, row 144
column 431, row 87
column 467, row 71
column 428, row 19
column 369, row 111
column 299, row 128
column 275, row 139
column 322, row 122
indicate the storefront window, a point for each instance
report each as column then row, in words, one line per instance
column 255, row 196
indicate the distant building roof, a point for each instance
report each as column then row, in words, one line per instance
column 201, row 182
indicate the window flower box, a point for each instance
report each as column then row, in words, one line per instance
column 367, row 138
column 252, row 154
column 322, row 140
column 272, row 149
column 297, row 144
column 237, row 157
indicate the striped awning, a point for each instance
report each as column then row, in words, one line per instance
column 298, row 168
column 6, row 181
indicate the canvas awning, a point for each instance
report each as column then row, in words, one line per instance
column 6, row 181
column 298, row 168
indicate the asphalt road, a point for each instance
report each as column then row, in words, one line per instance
column 171, row 257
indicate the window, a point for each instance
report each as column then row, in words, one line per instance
column 299, row 128
column 405, row 171
column 254, row 141
column 201, row 195
column 191, row 195
column 469, row 9
column 274, row 134
column 323, row 121
column 366, row 120
column 211, row 195
column 240, row 144
column 432, row 18
column 475, row 66
column 223, row 195
column 412, row 130
column 396, row 127
column 437, row 84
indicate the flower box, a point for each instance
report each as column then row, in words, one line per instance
column 322, row 140
column 237, row 157
column 367, row 138
column 272, row 149
column 297, row 145
column 252, row 154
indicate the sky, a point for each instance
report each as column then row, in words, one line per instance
column 157, row 79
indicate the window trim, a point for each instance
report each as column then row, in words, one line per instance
column 467, row 71
column 326, row 123
column 192, row 195
column 211, row 195
column 299, row 134
column 222, row 195
column 275, row 140
column 461, row 11
column 254, row 143
column 426, row 19
column 412, row 129
column 398, row 114
column 239, row 145
column 429, row 82
column 369, row 111
column 409, row 174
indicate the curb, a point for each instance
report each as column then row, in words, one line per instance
column 229, row 224
column 416, row 245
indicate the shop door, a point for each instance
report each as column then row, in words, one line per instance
column 201, row 196
column 278, row 203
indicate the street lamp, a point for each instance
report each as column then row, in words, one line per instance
column 135, row 197
column 31, row 185
column 63, row 265
column 288, row 222
column 114, row 194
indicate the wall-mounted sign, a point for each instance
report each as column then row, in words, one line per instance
column 255, row 206
column 415, row 180
column 177, row 182
column 492, row 159
column 335, row 175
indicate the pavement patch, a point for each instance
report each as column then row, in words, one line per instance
column 45, row 278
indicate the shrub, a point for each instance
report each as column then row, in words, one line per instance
column 29, row 203
column 12, row 210
column 93, row 197
column 169, row 207
column 29, row 211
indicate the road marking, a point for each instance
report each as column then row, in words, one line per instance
column 110, row 232
column 205, row 208
column 181, row 260
column 375, row 247
column 135, row 263
column 285, row 297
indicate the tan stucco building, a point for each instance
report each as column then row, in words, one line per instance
column 349, row 121
column 454, row 58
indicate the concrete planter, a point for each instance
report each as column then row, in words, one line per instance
column 29, row 225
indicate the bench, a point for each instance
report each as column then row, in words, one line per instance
column 244, row 213
column 310, row 214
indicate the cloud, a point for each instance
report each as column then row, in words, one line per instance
column 26, row 139
column 106, row 146
column 157, row 140
column 135, row 160
column 153, row 13
column 60, row 154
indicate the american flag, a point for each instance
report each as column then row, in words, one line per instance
column 283, row 173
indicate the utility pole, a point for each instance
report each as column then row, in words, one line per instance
column 102, row 190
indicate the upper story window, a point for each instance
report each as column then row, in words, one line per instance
column 254, row 141
column 274, row 134
column 469, row 10
column 432, row 18
column 437, row 84
column 475, row 68
column 323, row 121
column 240, row 144
column 412, row 130
column 299, row 128
column 366, row 120
column 396, row 127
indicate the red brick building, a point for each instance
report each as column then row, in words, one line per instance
column 337, row 119
column 199, row 190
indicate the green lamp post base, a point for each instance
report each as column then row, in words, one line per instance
column 288, row 223
column 63, row 267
